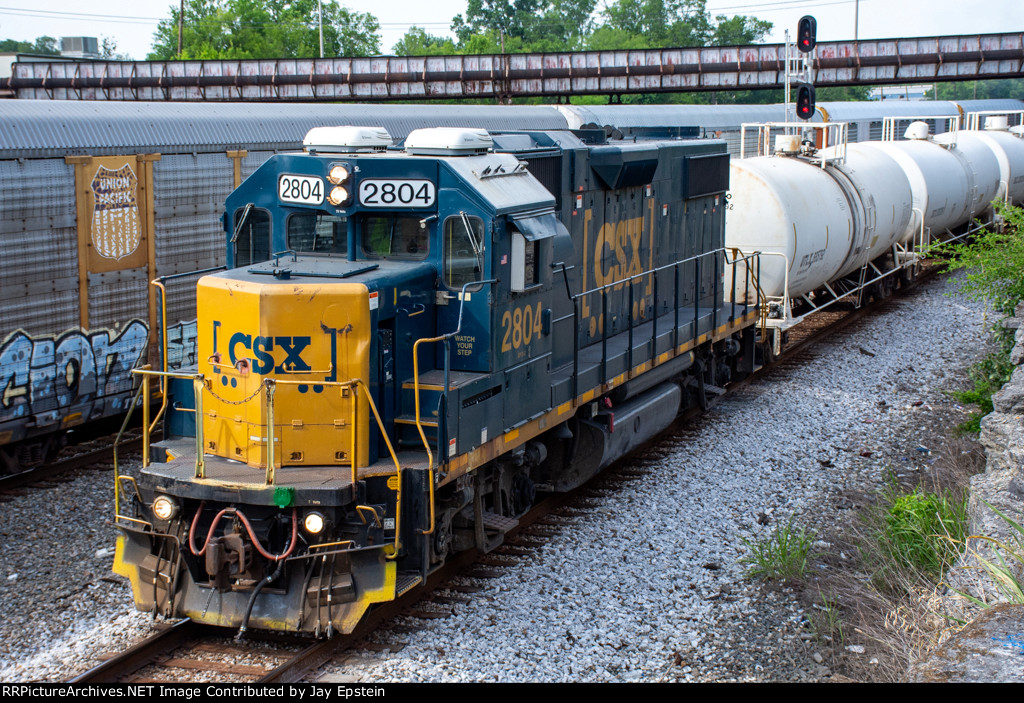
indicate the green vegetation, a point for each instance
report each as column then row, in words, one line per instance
column 992, row 263
column 979, row 90
column 1002, row 561
column 254, row 29
column 987, row 376
column 921, row 530
column 783, row 556
column 243, row 29
column 827, row 619
column 42, row 45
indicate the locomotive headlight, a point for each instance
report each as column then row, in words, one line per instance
column 164, row 508
column 338, row 174
column 337, row 196
column 314, row 523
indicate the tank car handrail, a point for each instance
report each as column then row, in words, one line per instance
column 973, row 118
column 889, row 124
column 764, row 148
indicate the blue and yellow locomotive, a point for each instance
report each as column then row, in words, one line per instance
column 410, row 343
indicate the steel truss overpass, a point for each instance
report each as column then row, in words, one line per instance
column 501, row 77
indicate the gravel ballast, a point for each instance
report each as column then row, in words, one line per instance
column 646, row 587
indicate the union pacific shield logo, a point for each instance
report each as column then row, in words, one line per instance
column 115, row 216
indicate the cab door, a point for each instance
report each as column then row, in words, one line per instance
column 465, row 237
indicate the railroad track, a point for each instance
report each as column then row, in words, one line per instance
column 11, row 484
column 186, row 650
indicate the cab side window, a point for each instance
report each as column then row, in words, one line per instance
column 251, row 236
column 463, row 251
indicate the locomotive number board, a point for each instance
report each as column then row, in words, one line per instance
column 379, row 192
column 300, row 189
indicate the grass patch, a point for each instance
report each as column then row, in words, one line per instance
column 987, row 377
column 783, row 556
column 922, row 530
column 1001, row 561
column 879, row 585
column 827, row 620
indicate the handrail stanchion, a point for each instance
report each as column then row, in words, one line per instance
column 675, row 303
column 629, row 344
column 145, row 420
column 604, row 334
column 654, row 320
column 270, row 386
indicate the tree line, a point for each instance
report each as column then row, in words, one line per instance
column 246, row 29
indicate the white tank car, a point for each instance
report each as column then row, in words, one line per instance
column 817, row 224
column 950, row 184
column 1007, row 149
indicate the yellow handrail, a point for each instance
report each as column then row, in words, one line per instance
column 419, row 423
column 358, row 382
column 270, row 384
column 163, row 338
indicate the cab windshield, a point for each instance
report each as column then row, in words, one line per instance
column 395, row 237
column 318, row 233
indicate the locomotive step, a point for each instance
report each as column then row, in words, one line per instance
column 408, row 435
column 433, row 380
column 406, row 582
column 410, row 420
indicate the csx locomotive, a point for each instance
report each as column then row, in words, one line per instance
column 409, row 344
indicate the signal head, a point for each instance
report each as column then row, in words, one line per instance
column 805, row 101
column 806, row 32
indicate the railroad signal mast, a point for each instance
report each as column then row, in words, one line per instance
column 799, row 68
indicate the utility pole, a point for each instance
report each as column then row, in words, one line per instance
column 320, row 21
column 181, row 22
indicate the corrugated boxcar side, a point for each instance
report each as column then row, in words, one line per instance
column 190, row 190
column 38, row 247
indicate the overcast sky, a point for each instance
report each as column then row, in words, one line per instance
column 131, row 22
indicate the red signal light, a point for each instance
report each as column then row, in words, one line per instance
column 805, row 33
column 805, row 101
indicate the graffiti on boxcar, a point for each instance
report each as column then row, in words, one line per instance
column 43, row 374
column 181, row 345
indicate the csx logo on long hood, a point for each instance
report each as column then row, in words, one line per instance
column 266, row 351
